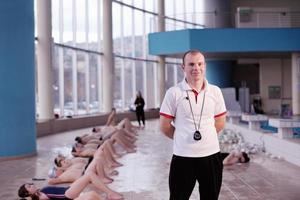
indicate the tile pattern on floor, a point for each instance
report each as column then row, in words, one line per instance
column 145, row 173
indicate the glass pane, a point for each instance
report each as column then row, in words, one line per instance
column 139, row 37
column 129, row 98
column 80, row 21
column 55, row 70
column 138, row 3
column 94, row 103
column 189, row 6
column 93, row 25
column 117, row 85
column 99, row 77
column 55, row 20
column 180, row 74
column 149, row 5
column 127, row 21
column 116, row 20
column 150, row 101
column 81, row 80
column 67, row 21
column 200, row 11
column 179, row 13
column 68, row 107
column 118, row 29
column 169, row 25
column 129, row 2
column 150, row 23
column 180, row 25
column 139, row 76
column 169, row 7
column 169, row 75
column 138, row 22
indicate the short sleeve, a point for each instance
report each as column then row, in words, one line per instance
column 168, row 106
column 220, row 108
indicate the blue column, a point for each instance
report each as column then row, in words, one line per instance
column 218, row 72
column 17, row 79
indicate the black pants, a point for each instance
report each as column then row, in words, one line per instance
column 185, row 171
column 140, row 115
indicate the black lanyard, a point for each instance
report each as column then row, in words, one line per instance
column 196, row 127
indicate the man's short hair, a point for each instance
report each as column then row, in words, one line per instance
column 188, row 52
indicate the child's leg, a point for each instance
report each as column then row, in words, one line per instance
column 91, row 195
column 110, row 158
column 79, row 185
column 109, row 146
column 97, row 167
column 98, row 184
column 125, row 146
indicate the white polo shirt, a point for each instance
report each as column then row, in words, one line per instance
column 176, row 106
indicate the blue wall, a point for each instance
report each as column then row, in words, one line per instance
column 225, row 40
column 17, row 81
column 219, row 72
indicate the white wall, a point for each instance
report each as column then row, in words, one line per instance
column 266, row 17
column 264, row 13
column 275, row 72
column 293, row 5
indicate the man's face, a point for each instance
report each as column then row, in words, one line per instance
column 194, row 66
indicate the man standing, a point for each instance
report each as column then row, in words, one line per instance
column 192, row 113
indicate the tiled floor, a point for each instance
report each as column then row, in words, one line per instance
column 144, row 175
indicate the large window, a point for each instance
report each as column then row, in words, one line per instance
column 183, row 14
column 77, row 55
column 77, row 51
column 77, row 34
column 134, row 69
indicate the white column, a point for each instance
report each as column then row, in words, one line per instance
column 99, row 60
column 87, row 59
column 61, row 61
column 133, row 54
column 145, row 78
column 74, row 59
column 44, row 60
column 108, row 63
column 296, row 83
column 122, row 60
column 161, row 59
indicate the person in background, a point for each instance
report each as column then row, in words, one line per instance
column 234, row 157
column 139, row 105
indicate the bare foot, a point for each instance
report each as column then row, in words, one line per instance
column 107, row 180
column 131, row 151
column 116, row 164
column 114, row 196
